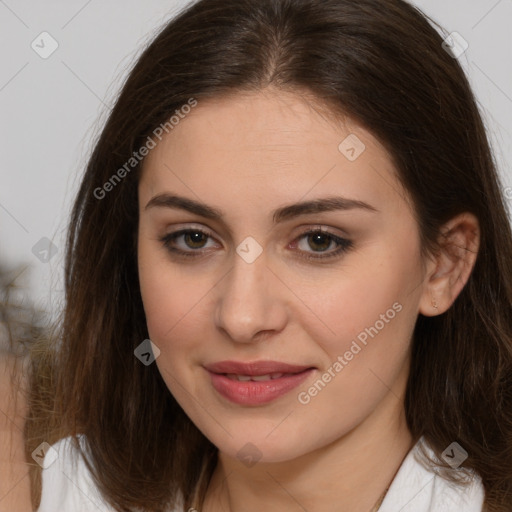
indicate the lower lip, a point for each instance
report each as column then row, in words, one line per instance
column 257, row 393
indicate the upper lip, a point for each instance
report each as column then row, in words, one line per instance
column 254, row 368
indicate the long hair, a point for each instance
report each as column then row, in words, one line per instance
column 380, row 62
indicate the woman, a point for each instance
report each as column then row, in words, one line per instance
column 295, row 201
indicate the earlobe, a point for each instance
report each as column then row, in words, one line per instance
column 449, row 270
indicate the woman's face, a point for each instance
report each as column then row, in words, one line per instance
column 280, row 271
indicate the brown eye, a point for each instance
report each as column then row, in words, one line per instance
column 187, row 242
column 317, row 244
column 195, row 239
column 319, row 241
column 312, row 245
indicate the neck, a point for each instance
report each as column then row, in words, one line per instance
column 352, row 472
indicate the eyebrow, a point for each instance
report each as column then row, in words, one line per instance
column 327, row 204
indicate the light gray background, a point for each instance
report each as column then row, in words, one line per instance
column 51, row 108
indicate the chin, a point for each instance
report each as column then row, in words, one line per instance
column 251, row 444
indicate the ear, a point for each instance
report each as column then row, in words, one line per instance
column 448, row 271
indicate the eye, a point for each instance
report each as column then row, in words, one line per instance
column 186, row 242
column 321, row 242
column 193, row 242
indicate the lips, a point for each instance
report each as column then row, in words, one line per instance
column 255, row 378
column 254, row 368
column 257, row 382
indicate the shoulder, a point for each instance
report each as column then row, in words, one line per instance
column 67, row 482
column 418, row 488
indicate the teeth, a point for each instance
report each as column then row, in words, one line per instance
column 256, row 378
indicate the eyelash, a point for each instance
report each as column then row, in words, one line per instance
column 344, row 244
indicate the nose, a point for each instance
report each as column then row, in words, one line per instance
column 251, row 302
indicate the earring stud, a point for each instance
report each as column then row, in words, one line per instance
column 434, row 303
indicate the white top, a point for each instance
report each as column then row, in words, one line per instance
column 68, row 486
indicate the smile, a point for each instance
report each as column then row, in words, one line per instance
column 256, row 383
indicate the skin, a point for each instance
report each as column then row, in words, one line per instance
column 247, row 155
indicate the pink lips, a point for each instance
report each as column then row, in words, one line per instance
column 255, row 383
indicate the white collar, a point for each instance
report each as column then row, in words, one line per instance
column 417, row 488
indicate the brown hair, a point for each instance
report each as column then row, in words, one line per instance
column 379, row 62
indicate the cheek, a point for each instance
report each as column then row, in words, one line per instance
column 174, row 303
column 359, row 300
column 161, row 302
column 166, row 305
column 368, row 316
column 365, row 359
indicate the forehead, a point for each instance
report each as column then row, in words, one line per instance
column 269, row 146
